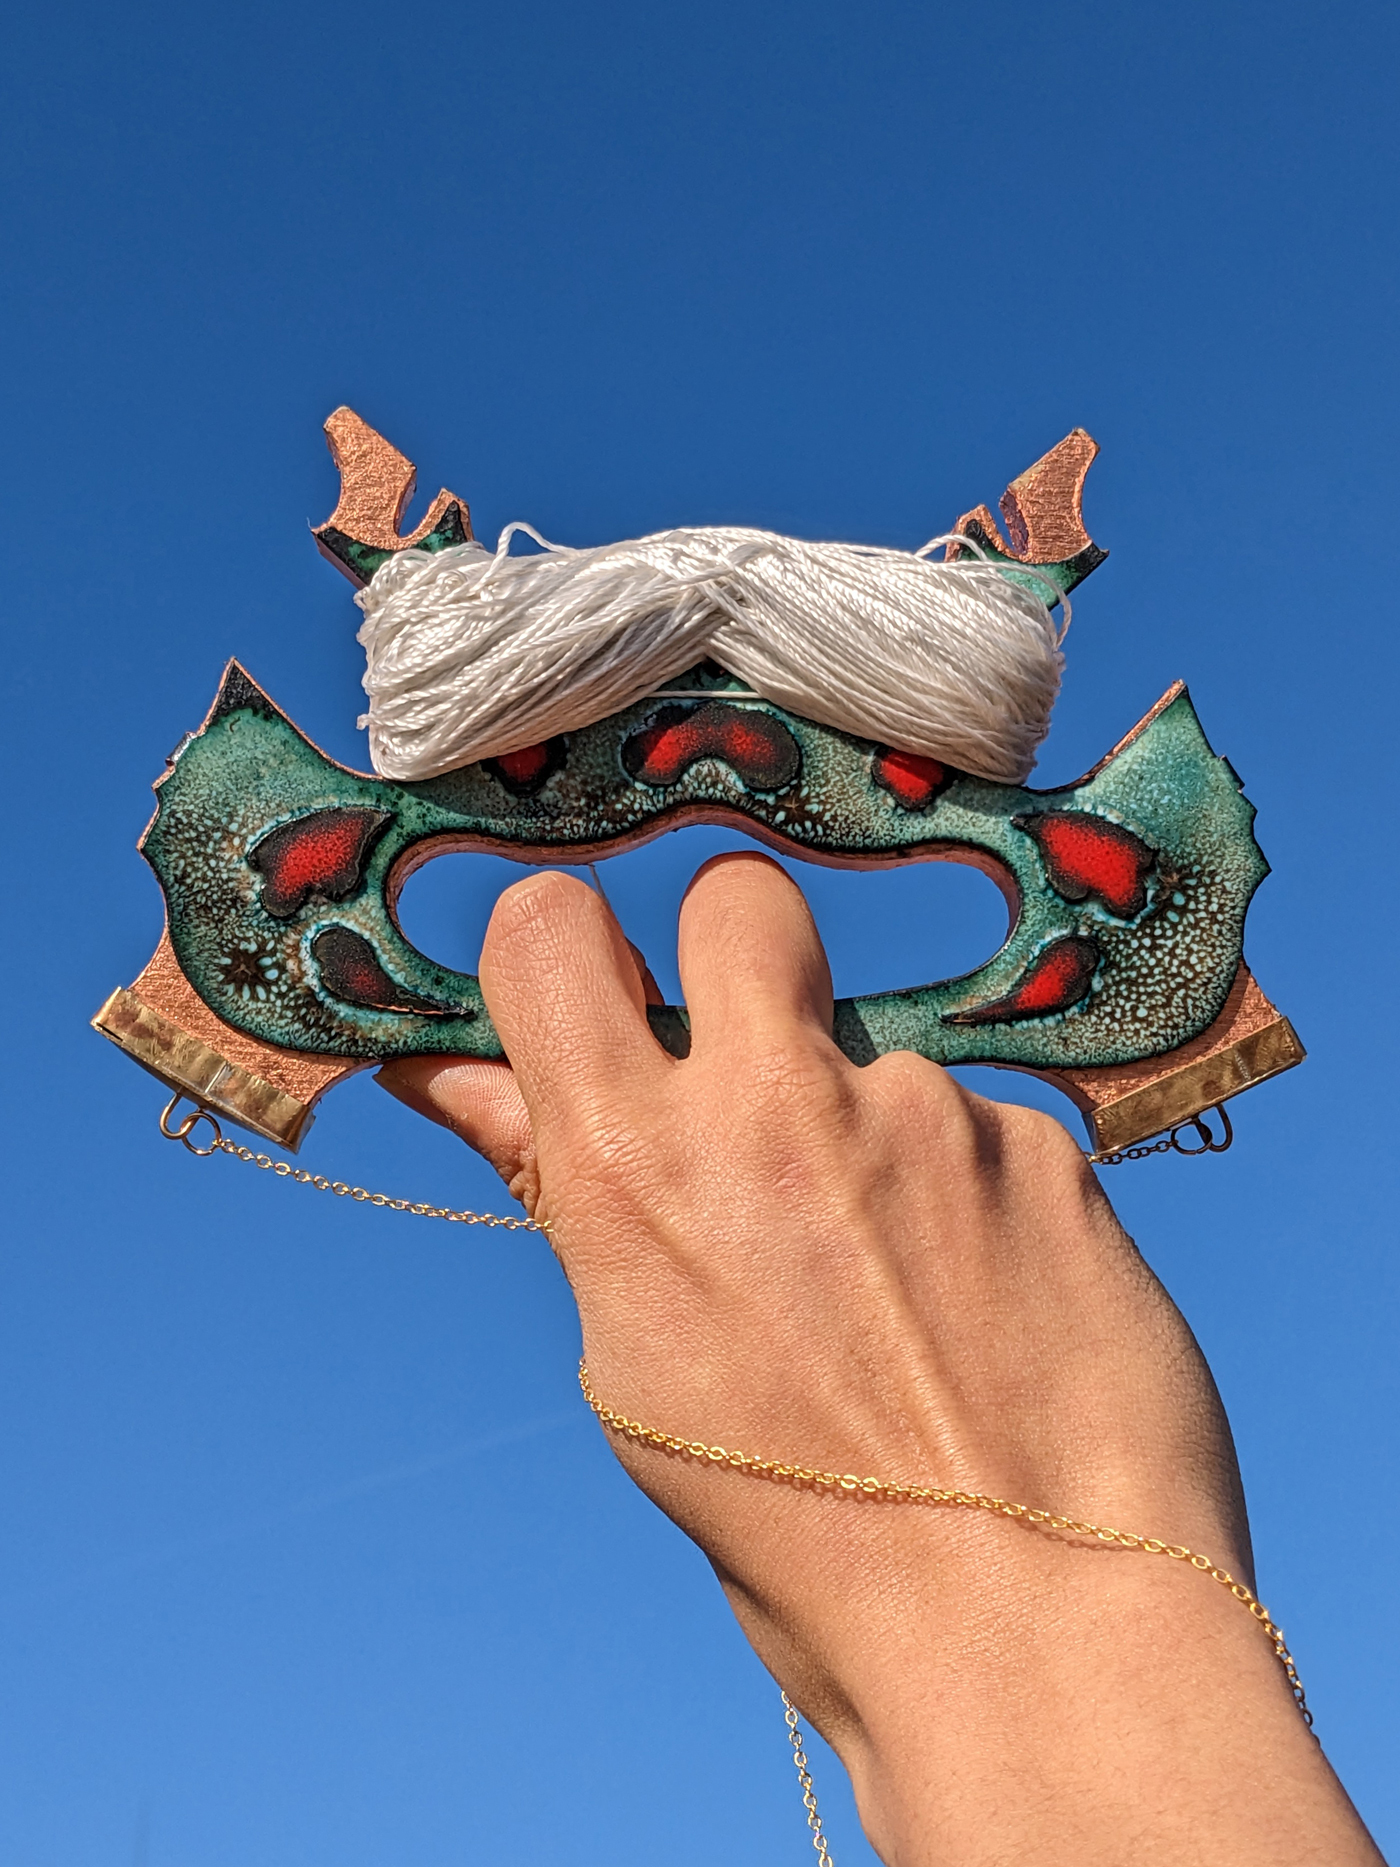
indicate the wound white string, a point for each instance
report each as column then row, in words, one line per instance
column 471, row 655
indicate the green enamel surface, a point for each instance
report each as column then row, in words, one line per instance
column 362, row 561
column 1066, row 575
column 1162, row 978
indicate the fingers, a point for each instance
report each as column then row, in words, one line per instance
column 751, row 958
column 481, row 1102
column 566, row 995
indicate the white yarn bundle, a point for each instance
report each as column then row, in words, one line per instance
column 471, row 655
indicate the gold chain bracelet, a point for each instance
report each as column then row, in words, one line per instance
column 878, row 1490
column 841, row 1484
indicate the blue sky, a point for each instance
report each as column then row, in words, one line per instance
column 310, row 1554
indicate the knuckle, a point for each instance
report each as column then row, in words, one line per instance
column 905, row 1075
column 783, row 1077
column 1048, row 1138
column 524, row 908
column 912, row 1092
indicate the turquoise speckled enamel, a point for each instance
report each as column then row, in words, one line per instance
column 1129, row 888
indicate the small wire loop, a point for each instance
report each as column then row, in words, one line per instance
column 1198, row 1126
column 188, row 1126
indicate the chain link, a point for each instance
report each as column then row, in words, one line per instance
column 804, row 1776
column 284, row 1170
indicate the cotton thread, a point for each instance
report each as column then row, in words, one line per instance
column 474, row 655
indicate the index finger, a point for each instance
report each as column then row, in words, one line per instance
column 564, row 991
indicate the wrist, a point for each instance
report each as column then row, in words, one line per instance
column 1111, row 1701
column 992, row 1684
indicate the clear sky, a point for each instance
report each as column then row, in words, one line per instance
column 310, row 1555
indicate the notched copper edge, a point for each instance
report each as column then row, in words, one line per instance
column 161, row 1023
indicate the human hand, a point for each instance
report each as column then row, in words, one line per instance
column 872, row 1270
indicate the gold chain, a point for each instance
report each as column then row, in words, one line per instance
column 843, row 1484
column 220, row 1144
column 877, row 1490
column 804, row 1776
column 846, row 1484
column 1168, row 1144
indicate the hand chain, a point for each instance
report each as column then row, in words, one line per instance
column 286, row 1171
column 883, row 1491
column 878, row 1490
column 847, row 1484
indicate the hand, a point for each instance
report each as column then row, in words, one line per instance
column 872, row 1270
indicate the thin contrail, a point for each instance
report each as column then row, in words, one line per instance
column 307, row 1506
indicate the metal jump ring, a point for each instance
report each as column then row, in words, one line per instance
column 188, row 1126
column 1209, row 1144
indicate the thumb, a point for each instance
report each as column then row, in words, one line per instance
column 480, row 1102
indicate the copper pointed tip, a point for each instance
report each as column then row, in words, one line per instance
column 1042, row 509
column 376, row 484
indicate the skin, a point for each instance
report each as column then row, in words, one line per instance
column 874, row 1271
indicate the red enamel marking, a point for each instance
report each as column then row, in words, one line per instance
column 757, row 747
column 911, row 780
column 1087, row 855
column 318, row 855
column 524, row 766
column 360, row 979
column 527, row 770
column 1058, row 978
column 350, row 969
